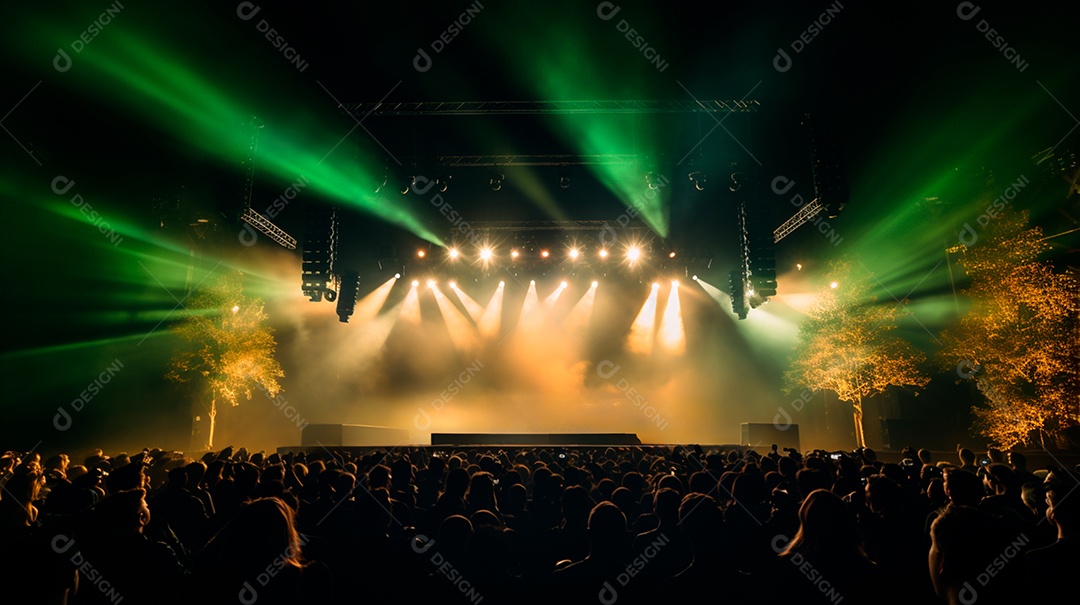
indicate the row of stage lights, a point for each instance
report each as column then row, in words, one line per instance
column 431, row 283
column 632, row 254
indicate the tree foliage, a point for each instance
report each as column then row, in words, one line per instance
column 232, row 348
column 1018, row 340
column 846, row 345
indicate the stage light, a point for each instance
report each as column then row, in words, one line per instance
column 562, row 284
column 453, row 285
column 574, row 253
column 485, row 254
column 415, row 283
column 235, row 308
column 502, row 283
column 656, row 286
column 671, row 254
column 397, row 276
column 798, row 266
column 514, row 254
column 421, row 253
column 633, row 254
column 595, row 283
column 454, row 253
column 603, row 253
column 674, row 283
column 694, row 278
column 834, row 285
column 431, row 284
column 544, row 254
column 532, row 282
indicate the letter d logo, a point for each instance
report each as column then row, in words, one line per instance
column 245, row 12
column 248, row 595
column 62, row 62
column 781, row 66
column 605, row 12
column 421, row 66
column 965, row 12
column 607, row 594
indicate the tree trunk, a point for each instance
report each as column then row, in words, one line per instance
column 213, row 418
column 860, row 436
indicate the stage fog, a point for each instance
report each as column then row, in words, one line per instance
column 554, row 353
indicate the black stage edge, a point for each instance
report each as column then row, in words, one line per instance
column 438, row 439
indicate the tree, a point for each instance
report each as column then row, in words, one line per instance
column 1018, row 340
column 846, row 345
column 233, row 349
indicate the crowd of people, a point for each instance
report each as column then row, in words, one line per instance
column 534, row 525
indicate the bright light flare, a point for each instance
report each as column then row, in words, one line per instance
column 672, row 335
column 491, row 318
column 603, row 253
column 834, row 285
column 421, row 253
column 415, row 283
column 454, row 254
column 514, row 254
column 643, row 329
column 486, row 254
column 633, row 254
column 545, row 253
column 431, row 284
column 235, row 308
column 574, row 253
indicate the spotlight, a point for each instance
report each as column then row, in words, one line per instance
column 671, row 254
column 633, row 254
column 532, row 282
column 235, row 308
column 421, row 253
column 595, row 283
column 655, row 286
column 415, row 283
column 562, row 284
column 397, row 276
column 834, row 285
column 674, row 283
column 495, row 181
column 514, row 254
column 695, row 278
column 603, row 253
column 431, row 284
column 485, row 254
column 574, row 253
column 544, row 254
column 502, row 283
column 453, row 285
column 454, row 253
